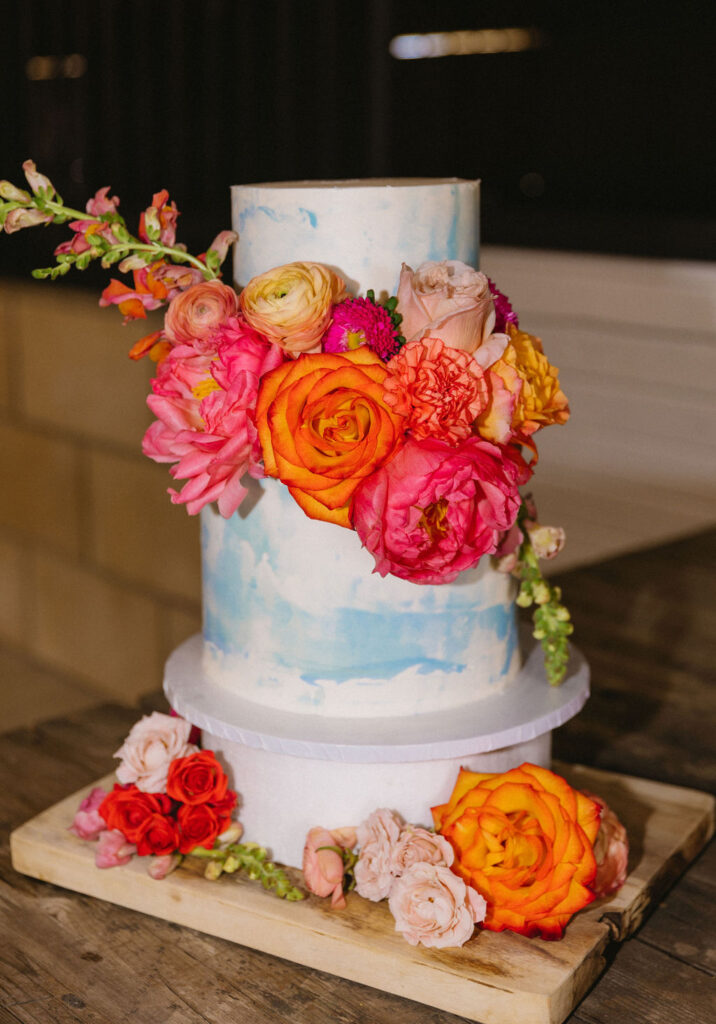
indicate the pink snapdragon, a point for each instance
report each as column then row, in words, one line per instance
column 88, row 822
column 158, row 222
column 113, row 850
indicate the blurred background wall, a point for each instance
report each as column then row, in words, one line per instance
column 588, row 124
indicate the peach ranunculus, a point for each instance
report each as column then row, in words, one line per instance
column 417, row 845
column 523, row 839
column 529, row 376
column 324, row 426
column 196, row 313
column 291, row 305
column 152, row 744
column 323, row 863
column 452, row 301
column 441, row 390
column 611, row 850
column 376, row 837
column 433, row 907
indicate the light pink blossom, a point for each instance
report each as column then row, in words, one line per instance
column 449, row 300
column 152, row 744
column 433, row 907
column 323, row 865
column 88, row 822
column 417, row 845
column 611, row 851
column 433, row 510
column 102, row 203
column 37, row 182
column 222, row 243
column 376, row 837
column 20, row 218
column 113, row 850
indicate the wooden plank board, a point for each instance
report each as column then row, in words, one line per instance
column 494, row 978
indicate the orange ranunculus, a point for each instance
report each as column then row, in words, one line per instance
column 524, row 839
column 324, row 426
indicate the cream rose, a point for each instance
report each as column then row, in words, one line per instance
column 152, row 744
column 434, row 907
column 291, row 305
column 417, row 845
column 376, row 837
column 451, row 301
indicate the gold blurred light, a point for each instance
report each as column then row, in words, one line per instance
column 44, row 68
column 460, row 44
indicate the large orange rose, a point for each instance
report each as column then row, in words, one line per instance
column 324, row 426
column 524, row 839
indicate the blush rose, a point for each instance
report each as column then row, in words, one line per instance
column 151, row 746
column 433, row 907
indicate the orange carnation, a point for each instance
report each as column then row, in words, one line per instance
column 524, row 839
column 527, row 373
column 323, row 425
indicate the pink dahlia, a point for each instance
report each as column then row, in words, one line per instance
column 204, row 406
column 441, row 390
column 359, row 322
column 434, row 510
column 504, row 313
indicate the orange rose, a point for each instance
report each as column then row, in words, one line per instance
column 524, row 839
column 324, row 426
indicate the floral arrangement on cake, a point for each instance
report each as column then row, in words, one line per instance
column 519, row 850
column 410, row 420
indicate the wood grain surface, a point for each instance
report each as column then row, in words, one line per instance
column 646, row 623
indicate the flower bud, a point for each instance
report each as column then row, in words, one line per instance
column 37, row 181
column 540, row 592
column 213, row 870
column 231, row 835
column 24, row 218
column 13, row 193
column 231, row 864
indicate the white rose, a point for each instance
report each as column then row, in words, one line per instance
column 152, row 744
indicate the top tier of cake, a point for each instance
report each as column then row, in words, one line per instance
column 294, row 618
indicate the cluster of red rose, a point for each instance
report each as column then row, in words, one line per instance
column 195, row 809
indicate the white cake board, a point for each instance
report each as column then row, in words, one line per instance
column 294, row 771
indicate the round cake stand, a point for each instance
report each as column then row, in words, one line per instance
column 294, row 771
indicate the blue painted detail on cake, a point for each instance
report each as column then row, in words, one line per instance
column 309, row 215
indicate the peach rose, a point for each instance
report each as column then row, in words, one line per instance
column 324, row 426
column 416, row 845
column 376, row 837
column 523, row 839
column 149, row 749
column 323, row 864
column 452, row 301
column 291, row 305
column 196, row 313
column 611, row 850
column 434, row 907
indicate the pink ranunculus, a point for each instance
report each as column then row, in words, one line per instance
column 113, row 850
column 195, row 314
column 433, row 511
column 417, row 845
column 449, row 300
column 152, row 744
column 88, row 822
column 440, row 390
column 376, row 838
column 323, row 866
column 611, row 851
column 434, row 907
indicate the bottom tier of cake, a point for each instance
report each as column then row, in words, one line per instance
column 296, row 771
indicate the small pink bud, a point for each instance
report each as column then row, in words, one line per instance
column 221, row 243
column 23, row 218
column 37, row 181
column 160, row 867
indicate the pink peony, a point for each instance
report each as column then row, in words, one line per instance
column 433, row 510
column 195, row 314
column 113, row 850
column 323, row 865
column 152, row 744
column 441, row 390
column 361, row 322
column 376, row 837
column 88, row 822
column 417, row 845
column 434, row 907
column 611, row 850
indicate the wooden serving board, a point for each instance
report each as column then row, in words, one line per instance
column 495, row 978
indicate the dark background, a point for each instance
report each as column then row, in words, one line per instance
column 601, row 140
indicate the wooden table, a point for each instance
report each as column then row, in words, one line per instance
column 647, row 624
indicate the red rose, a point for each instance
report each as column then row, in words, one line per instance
column 199, row 825
column 159, row 836
column 127, row 809
column 197, row 779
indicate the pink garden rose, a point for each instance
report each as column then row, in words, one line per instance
column 433, row 511
column 441, row 390
column 113, row 850
column 195, row 314
column 451, row 301
column 376, row 837
column 152, row 744
column 611, row 850
column 417, row 845
column 88, row 822
column 434, row 907
column 323, row 866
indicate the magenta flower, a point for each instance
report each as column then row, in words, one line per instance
column 504, row 313
column 434, row 510
column 359, row 322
